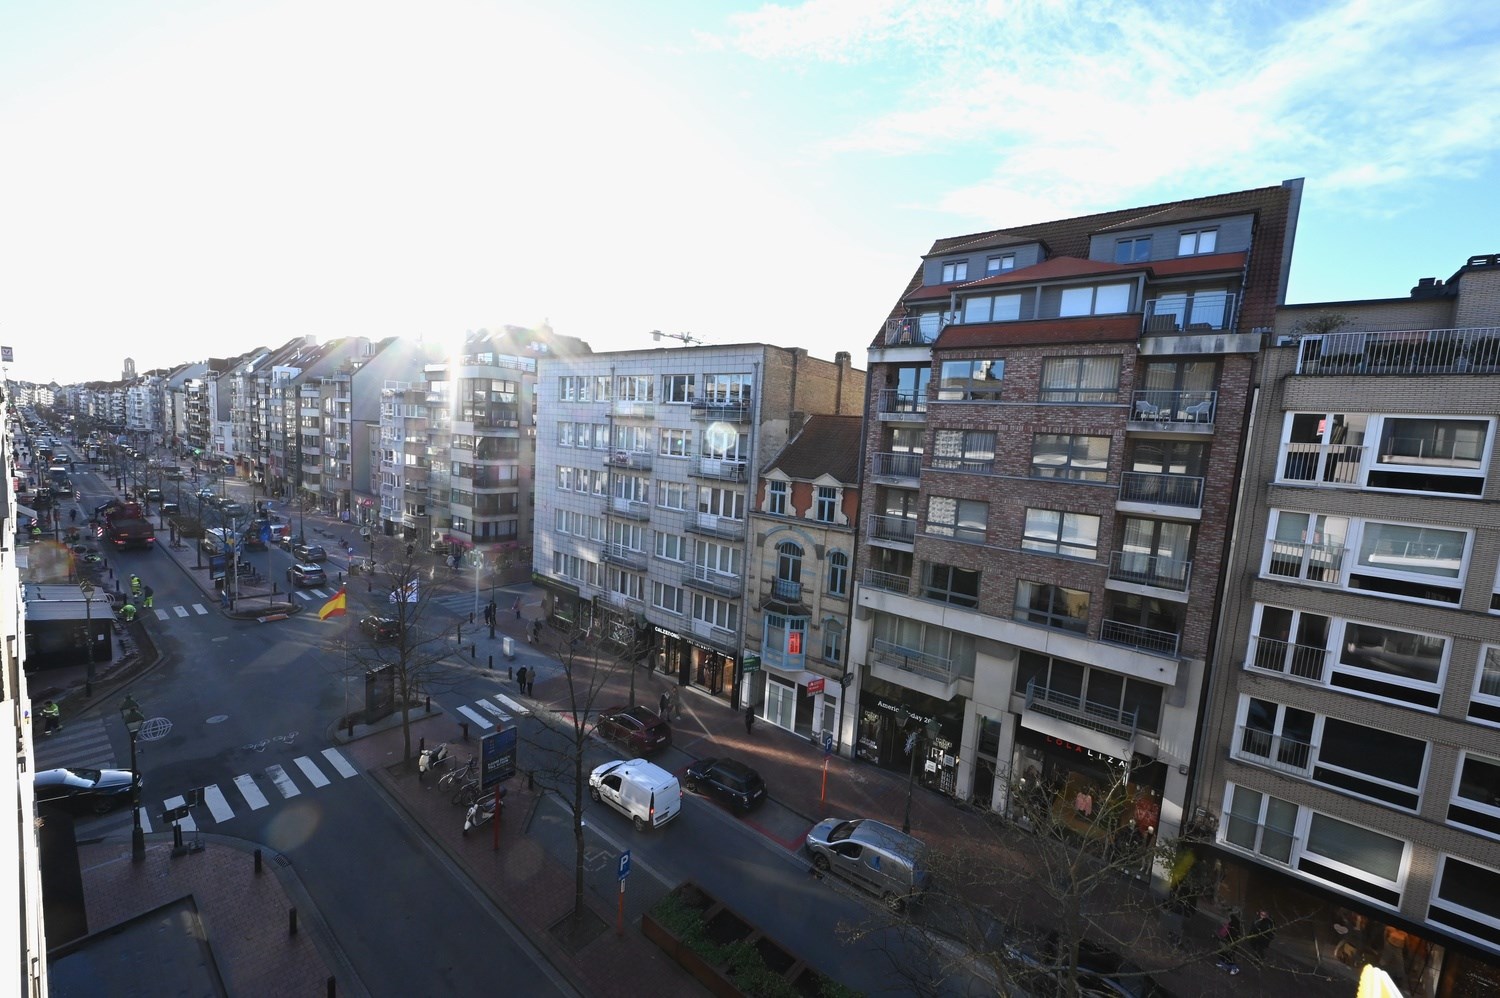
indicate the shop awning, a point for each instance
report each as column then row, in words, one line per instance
column 26, row 511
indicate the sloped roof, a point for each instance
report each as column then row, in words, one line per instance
column 826, row 445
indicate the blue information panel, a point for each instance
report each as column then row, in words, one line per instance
column 497, row 757
column 624, row 864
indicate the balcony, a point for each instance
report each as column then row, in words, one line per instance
column 897, row 406
column 886, row 582
column 620, row 600
column 1470, row 350
column 1152, row 642
column 1113, row 721
column 1149, row 488
column 717, row 469
column 1287, row 658
column 721, row 638
column 1153, row 570
column 1334, row 466
column 1200, row 313
column 1170, row 410
column 711, row 525
column 904, row 467
column 964, row 465
column 916, row 330
column 635, row 409
column 786, row 590
column 1321, row 564
column 710, row 580
column 631, row 508
column 627, row 557
column 894, row 529
column 636, row 459
column 1264, row 748
column 706, row 410
column 914, row 669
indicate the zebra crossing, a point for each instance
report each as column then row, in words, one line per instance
column 179, row 611
column 80, row 745
column 244, row 794
column 486, row 713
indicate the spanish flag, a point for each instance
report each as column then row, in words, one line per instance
column 334, row 607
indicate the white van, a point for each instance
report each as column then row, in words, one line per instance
column 642, row 791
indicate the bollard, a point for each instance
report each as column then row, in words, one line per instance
column 471, row 651
column 341, row 582
column 463, row 727
column 351, row 727
column 509, row 674
column 257, row 861
column 291, row 915
column 429, row 705
column 471, row 616
column 492, row 663
column 331, row 987
column 421, row 745
column 458, row 632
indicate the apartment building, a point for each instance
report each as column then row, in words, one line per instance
column 1352, row 742
column 647, row 465
column 1052, row 446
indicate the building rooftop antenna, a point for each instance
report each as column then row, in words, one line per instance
column 688, row 339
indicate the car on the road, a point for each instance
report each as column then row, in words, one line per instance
column 883, row 860
column 634, row 727
column 80, row 790
column 309, row 552
column 380, row 628
column 232, row 510
column 304, row 576
column 205, row 493
column 730, row 780
column 153, row 495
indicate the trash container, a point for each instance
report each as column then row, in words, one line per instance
column 508, row 646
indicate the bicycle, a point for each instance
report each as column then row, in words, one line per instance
column 467, row 793
column 461, row 775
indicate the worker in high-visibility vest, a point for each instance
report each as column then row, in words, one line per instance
column 128, row 612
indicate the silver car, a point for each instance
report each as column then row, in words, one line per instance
column 883, row 860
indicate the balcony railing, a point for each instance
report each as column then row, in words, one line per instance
column 721, row 637
column 629, row 557
column 721, row 411
column 1150, row 570
column 723, row 583
column 911, row 660
column 1170, row 407
column 786, row 590
column 898, row 465
column 1184, row 314
column 898, row 405
column 887, row 582
column 629, row 459
column 1288, row 658
column 635, row 409
column 964, row 465
column 901, row 529
column 632, row 508
column 1146, row 639
column 1109, row 720
column 718, row 469
column 916, row 330
column 1329, row 465
column 713, row 525
column 1155, row 489
column 1318, row 563
column 1471, row 350
column 1264, row 748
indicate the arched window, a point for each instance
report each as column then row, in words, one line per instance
column 789, row 561
column 838, row 574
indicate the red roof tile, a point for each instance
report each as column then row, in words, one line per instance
column 826, row 445
column 1212, row 263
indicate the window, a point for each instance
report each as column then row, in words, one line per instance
column 951, row 584
column 1291, row 642
column 833, row 641
column 572, row 389
column 601, row 388
column 1000, row 263
column 1425, row 454
column 789, row 562
column 1275, row 733
column 1105, row 299
column 1411, row 561
column 1476, row 794
column 1466, row 899
column 955, row 270
column 1354, row 858
column 1154, row 553
column 670, row 547
column 1105, row 695
column 1070, row 456
column 1080, row 379
column 601, row 436
column 627, row 584
column 565, row 434
column 1404, row 667
column 1372, row 763
column 1197, row 241
column 939, row 648
column 838, row 574
column 665, row 597
column 971, row 380
column 673, row 495
column 634, row 388
column 676, row 443
column 721, row 442
column 726, row 389
column 1307, row 546
column 776, row 496
column 1484, row 707
column 992, row 308
column 677, row 388
column 721, row 559
column 635, row 439
column 1145, row 622
column 1073, row 535
column 716, row 612
column 1260, row 823
column 971, row 451
column 961, row 519
column 1052, row 606
column 1135, row 249
column 721, row 502
column 632, row 488
column 827, row 505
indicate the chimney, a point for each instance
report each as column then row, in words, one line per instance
column 1426, row 287
column 842, row 358
column 794, row 423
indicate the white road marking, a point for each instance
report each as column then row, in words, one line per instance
column 250, row 791
column 283, row 782
column 515, row 708
column 499, row 714
column 199, row 609
column 181, row 611
column 218, row 806
column 187, row 823
column 339, row 763
column 482, row 722
column 162, row 614
column 311, row 771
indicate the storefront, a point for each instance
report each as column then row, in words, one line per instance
column 562, row 605
column 889, row 714
column 694, row 663
column 800, row 701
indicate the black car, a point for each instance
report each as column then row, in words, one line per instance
column 309, row 552
column 727, row 779
column 305, row 576
column 381, row 628
column 81, row 790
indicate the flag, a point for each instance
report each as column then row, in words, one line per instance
column 334, row 607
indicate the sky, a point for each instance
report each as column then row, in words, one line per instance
column 183, row 179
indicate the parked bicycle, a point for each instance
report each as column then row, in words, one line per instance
column 457, row 777
column 467, row 793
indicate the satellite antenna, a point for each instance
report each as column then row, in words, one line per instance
column 687, row 338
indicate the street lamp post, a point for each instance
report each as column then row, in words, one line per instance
column 476, row 558
column 131, row 712
column 913, row 739
column 87, row 589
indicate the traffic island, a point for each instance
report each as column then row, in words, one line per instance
column 726, row 954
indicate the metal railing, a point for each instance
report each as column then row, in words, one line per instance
column 787, row 590
column 1470, row 350
column 1168, row 407
column 911, row 660
column 1159, row 489
column 628, row 556
column 1287, row 658
column 1150, row 570
column 916, row 330
column 1318, row 563
column 902, row 529
column 725, row 583
column 720, row 411
column 1266, row 748
column 716, row 526
column 1096, row 717
column 638, row 459
column 632, row 508
column 898, row 465
column 721, row 636
column 1331, row 465
column 1146, row 639
column 1189, row 314
column 887, row 582
column 718, row 469
column 895, row 404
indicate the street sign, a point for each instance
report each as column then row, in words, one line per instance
column 624, row 865
column 828, row 743
column 751, row 663
column 815, row 685
column 497, row 757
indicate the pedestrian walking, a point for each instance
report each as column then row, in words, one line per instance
column 521, row 679
column 666, row 704
column 1262, row 931
column 51, row 717
column 1229, row 938
column 518, row 608
column 749, row 718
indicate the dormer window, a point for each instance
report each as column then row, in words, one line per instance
column 1136, row 249
column 955, row 270
column 1197, row 241
column 1105, row 299
column 998, row 264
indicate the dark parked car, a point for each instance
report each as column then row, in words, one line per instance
column 727, row 779
column 305, row 576
column 309, row 552
column 635, row 727
column 81, row 790
column 381, row 628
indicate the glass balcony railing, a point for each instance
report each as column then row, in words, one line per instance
column 901, row 406
column 898, row 465
column 901, row 529
column 1153, row 488
column 1150, row 570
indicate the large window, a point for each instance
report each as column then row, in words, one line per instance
column 1261, row 824
column 1466, row 899
column 971, row 451
column 1275, row 734
column 1051, row 531
column 1106, row 299
column 728, row 503
column 670, row 547
column 722, row 614
column 992, row 308
column 673, row 495
column 1405, row 667
column 677, row 387
column 1476, row 794
column 1154, row 552
column 1431, row 454
column 1052, row 606
column 951, row 584
column 1355, row 858
column 634, row 388
column 1100, row 692
column 961, row 519
column 665, row 597
column 1072, row 456
column 1134, row 249
column 1412, row 561
column 726, row 389
column 1371, row 763
column 1081, row 379
column 676, row 443
column 1291, row 642
column 971, row 380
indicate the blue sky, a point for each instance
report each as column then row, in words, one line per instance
column 191, row 179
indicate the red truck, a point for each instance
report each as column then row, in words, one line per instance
column 124, row 526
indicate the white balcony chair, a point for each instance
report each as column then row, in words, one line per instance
column 1200, row 411
column 1145, row 410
